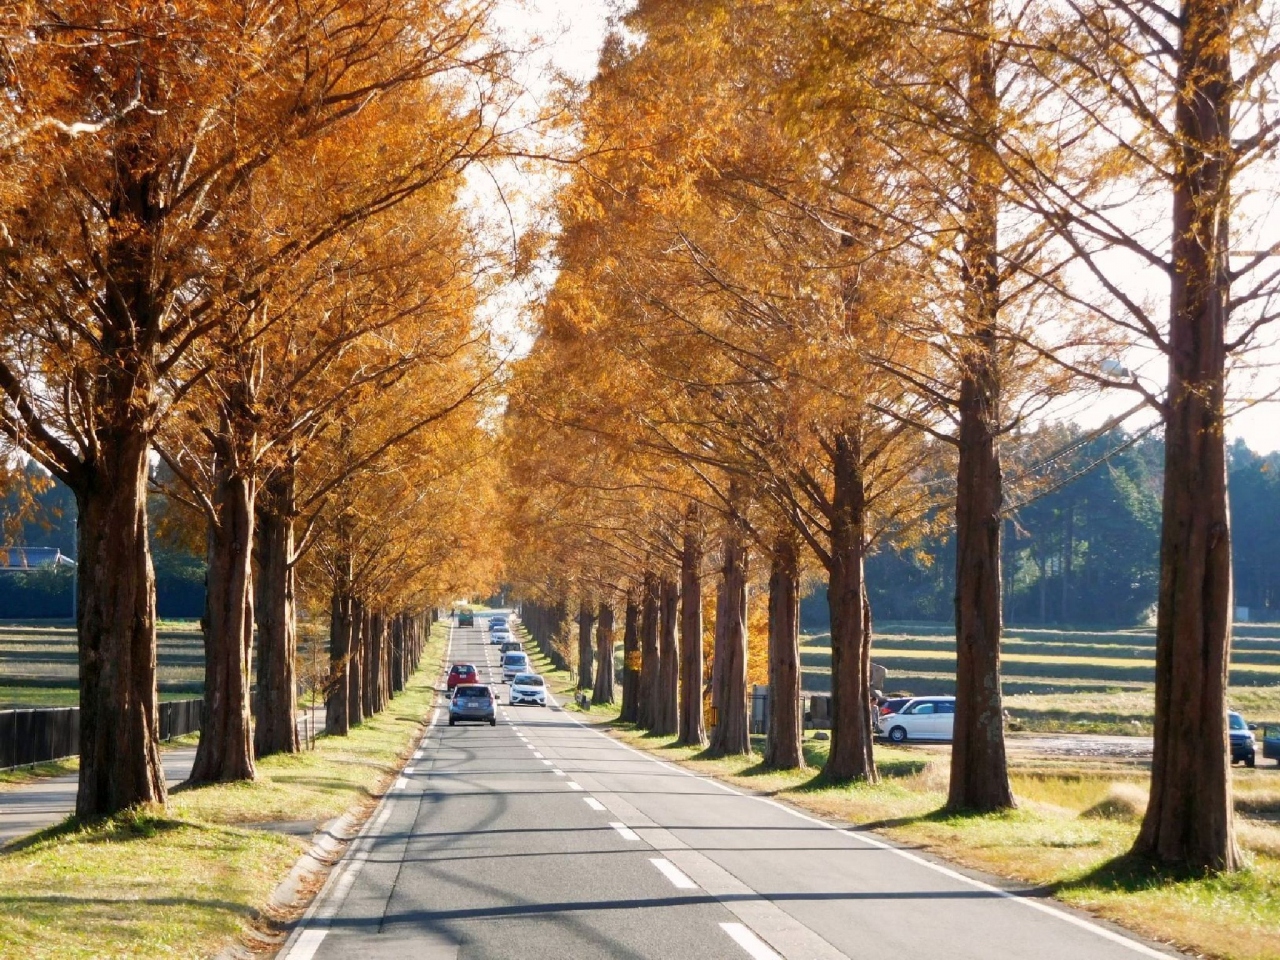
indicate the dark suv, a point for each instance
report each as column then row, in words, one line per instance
column 1243, row 747
column 466, row 619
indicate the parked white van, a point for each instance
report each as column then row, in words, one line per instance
column 920, row 718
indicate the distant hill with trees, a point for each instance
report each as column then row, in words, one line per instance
column 1086, row 551
column 43, row 514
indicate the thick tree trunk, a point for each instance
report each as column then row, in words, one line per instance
column 979, row 769
column 650, row 666
column 732, row 734
column 337, row 690
column 717, row 643
column 692, row 729
column 355, row 666
column 1189, row 820
column 225, row 751
column 275, row 727
column 630, row 712
column 115, row 620
column 603, row 690
column 586, row 621
column 666, row 711
column 784, row 748
column 851, row 756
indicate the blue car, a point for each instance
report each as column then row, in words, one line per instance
column 472, row 703
column 1243, row 746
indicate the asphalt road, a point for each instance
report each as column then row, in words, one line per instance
column 543, row 838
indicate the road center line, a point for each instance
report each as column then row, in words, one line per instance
column 593, row 803
column 756, row 948
column 672, row 873
column 628, row 834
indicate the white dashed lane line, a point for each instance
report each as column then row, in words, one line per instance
column 672, row 873
column 593, row 803
column 628, row 834
column 574, row 786
column 756, row 948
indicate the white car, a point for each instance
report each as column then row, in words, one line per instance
column 501, row 635
column 528, row 688
column 514, row 664
column 920, row 718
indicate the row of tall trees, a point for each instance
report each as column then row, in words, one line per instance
column 231, row 238
column 807, row 295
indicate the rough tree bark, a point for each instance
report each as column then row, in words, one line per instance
column 851, row 756
column 225, row 751
column 275, row 727
column 355, row 665
column 692, row 729
column 603, row 690
column 115, row 622
column 586, row 621
column 630, row 711
column 666, row 710
column 1189, row 822
column 650, row 615
column 979, row 768
column 732, row 735
column 783, row 748
column 337, row 692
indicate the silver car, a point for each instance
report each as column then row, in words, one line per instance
column 472, row 702
column 513, row 664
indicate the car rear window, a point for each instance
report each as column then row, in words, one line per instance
column 528, row 680
column 480, row 692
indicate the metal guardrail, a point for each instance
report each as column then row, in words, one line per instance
column 41, row 734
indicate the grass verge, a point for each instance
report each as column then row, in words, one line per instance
column 186, row 880
column 1069, row 835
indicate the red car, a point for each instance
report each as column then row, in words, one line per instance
column 462, row 673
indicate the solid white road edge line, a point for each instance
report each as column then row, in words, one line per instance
column 1081, row 922
column 314, row 925
column 672, row 873
column 626, row 832
column 756, row 948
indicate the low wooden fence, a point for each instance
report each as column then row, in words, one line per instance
column 53, row 733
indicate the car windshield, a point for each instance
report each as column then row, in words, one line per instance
column 481, row 693
column 1237, row 722
column 528, row 680
column 514, row 660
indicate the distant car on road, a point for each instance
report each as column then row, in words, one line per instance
column 510, row 645
column 466, row 618
column 500, row 636
column 461, row 673
column 1243, row 746
column 528, row 688
column 472, row 702
column 513, row 664
column 497, row 622
column 920, row 718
